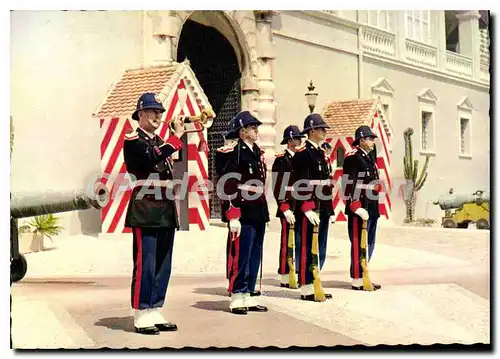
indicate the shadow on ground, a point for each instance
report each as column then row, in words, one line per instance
column 125, row 324
column 222, row 291
column 213, row 305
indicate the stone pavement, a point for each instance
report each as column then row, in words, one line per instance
column 435, row 290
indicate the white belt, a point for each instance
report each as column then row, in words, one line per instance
column 320, row 182
column 153, row 182
column 256, row 189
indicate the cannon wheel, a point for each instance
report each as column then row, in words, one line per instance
column 449, row 223
column 463, row 224
column 18, row 268
column 482, row 224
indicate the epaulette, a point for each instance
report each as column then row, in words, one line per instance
column 300, row 148
column 281, row 154
column 350, row 153
column 131, row 136
column 227, row 148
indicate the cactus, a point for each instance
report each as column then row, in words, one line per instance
column 414, row 183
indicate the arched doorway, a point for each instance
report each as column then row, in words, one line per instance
column 213, row 60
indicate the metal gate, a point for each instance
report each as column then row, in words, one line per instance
column 214, row 62
column 230, row 107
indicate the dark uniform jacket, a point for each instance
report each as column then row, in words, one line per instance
column 250, row 165
column 361, row 171
column 282, row 170
column 148, row 158
column 309, row 164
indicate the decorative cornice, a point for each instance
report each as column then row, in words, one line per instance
column 382, row 86
column 465, row 104
column 427, row 95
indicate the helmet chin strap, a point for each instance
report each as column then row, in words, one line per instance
column 152, row 121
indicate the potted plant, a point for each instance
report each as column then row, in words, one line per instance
column 31, row 235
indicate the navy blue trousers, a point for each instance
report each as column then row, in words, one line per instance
column 152, row 255
column 305, row 230
column 245, row 258
column 354, row 226
column 283, row 267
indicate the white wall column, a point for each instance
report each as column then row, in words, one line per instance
column 266, row 107
column 440, row 31
column 400, row 30
column 469, row 38
column 159, row 30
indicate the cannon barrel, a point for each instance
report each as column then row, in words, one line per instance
column 457, row 200
column 35, row 204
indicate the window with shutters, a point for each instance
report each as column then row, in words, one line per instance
column 464, row 136
column 427, row 111
column 382, row 19
column 426, row 131
column 418, row 25
column 464, row 128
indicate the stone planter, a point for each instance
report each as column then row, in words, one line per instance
column 30, row 242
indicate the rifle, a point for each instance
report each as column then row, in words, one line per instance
column 292, row 281
column 319, row 294
column 367, row 283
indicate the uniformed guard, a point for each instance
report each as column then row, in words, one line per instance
column 361, row 192
column 151, row 213
column 241, row 187
column 221, row 154
column 281, row 170
column 314, row 206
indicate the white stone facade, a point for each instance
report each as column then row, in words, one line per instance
column 64, row 62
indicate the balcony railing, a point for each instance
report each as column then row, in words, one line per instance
column 484, row 71
column 458, row 64
column 383, row 43
column 421, row 54
column 379, row 42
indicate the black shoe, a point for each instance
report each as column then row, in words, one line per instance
column 310, row 297
column 255, row 294
column 284, row 285
column 147, row 330
column 241, row 310
column 375, row 287
column 257, row 308
column 166, row 327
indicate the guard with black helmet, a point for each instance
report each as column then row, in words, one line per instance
column 361, row 190
column 244, row 204
column 281, row 170
column 151, row 212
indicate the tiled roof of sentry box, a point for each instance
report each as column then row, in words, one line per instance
column 122, row 99
column 344, row 117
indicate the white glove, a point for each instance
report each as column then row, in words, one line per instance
column 362, row 213
column 332, row 219
column 290, row 218
column 235, row 226
column 312, row 217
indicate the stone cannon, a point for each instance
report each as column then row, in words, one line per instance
column 469, row 208
column 24, row 205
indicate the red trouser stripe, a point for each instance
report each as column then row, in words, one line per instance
column 355, row 244
column 138, row 273
column 235, row 262
column 229, row 256
column 303, row 253
column 284, row 245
